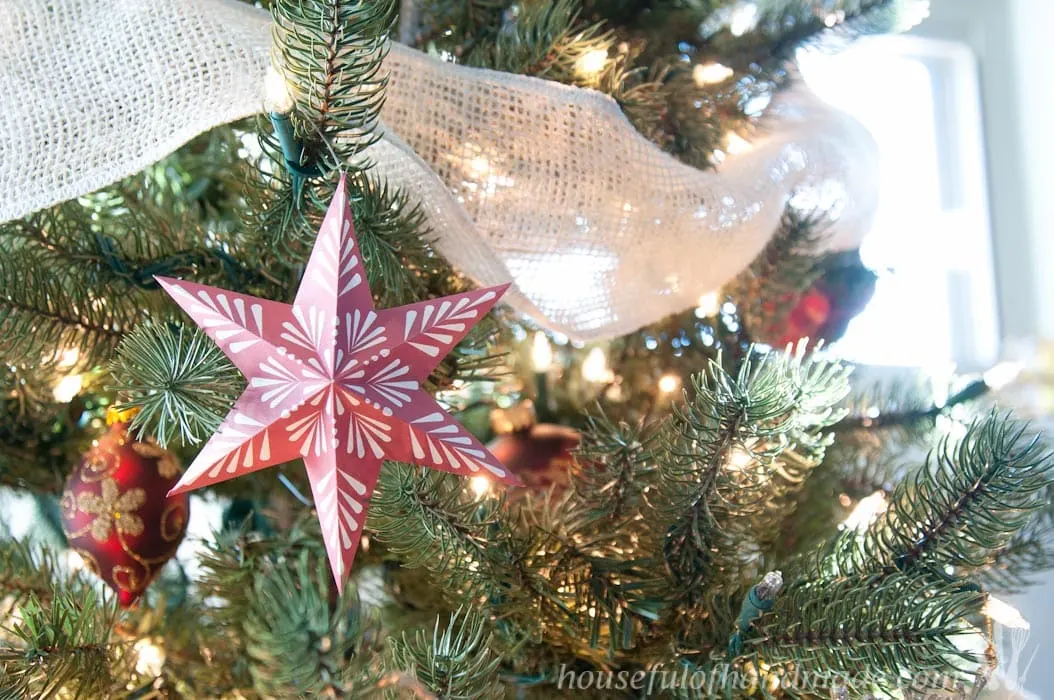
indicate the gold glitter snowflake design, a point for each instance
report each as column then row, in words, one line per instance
column 112, row 508
column 167, row 464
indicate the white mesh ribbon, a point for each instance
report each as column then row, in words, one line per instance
column 522, row 179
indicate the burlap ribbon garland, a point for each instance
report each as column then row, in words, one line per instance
column 521, row 179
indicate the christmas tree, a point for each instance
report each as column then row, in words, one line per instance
column 635, row 473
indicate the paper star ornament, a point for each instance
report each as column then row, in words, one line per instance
column 336, row 382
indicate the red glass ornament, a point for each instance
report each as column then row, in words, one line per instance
column 116, row 512
column 807, row 318
column 540, row 455
column 824, row 310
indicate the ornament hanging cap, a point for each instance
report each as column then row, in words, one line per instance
column 120, row 415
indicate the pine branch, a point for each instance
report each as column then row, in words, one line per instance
column 545, row 40
column 150, row 224
column 180, row 381
column 457, row 26
column 533, row 572
column 232, row 565
column 614, row 464
column 905, row 411
column 429, row 520
column 400, row 260
column 958, row 510
column 74, row 275
column 455, row 662
column 25, row 573
column 595, row 600
column 64, row 646
column 40, row 439
column 909, row 413
column 697, row 119
column 42, row 309
column 550, row 40
column 402, row 264
column 786, row 26
column 733, row 463
column 298, row 645
column 870, row 635
column 1015, row 567
column 331, row 52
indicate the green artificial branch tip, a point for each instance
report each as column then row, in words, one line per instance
column 182, row 384
column 456, row 661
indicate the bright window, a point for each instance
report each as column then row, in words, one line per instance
column 935, row 301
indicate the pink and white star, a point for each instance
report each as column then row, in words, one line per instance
column 336, row 382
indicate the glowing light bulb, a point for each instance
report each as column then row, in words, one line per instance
column 866, row 511
column 708, row 305
column 1004, row 613
column 480, row 485
column 68, row 358
column 541, row 353
column 744, row 18
column 669, row 383
column 736, row 144
column 479, row 166
column 74, row 561
column 276, row 93
column 595, row 367
column 711, row 73
column 739, row 459
column 150, row 658
column 591, row 63
column 1002, row 374
column 69, row 387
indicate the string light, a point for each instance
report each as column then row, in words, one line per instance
column 708, row 305
column 595, row 367
column 866, row 511
column 68, row 358
column 744, row 18
column 739, row 459
column 541, row 353
column 591, row 63
column 1004, row 613
column 480, row 166
column 68, row 388
column 711, row 73
column 480, row 485
column 1002, row 374
column 276, row 93
column 150, row 658
column 669, row 383
column 736, row 144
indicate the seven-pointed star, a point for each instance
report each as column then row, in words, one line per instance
column 336, row 382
